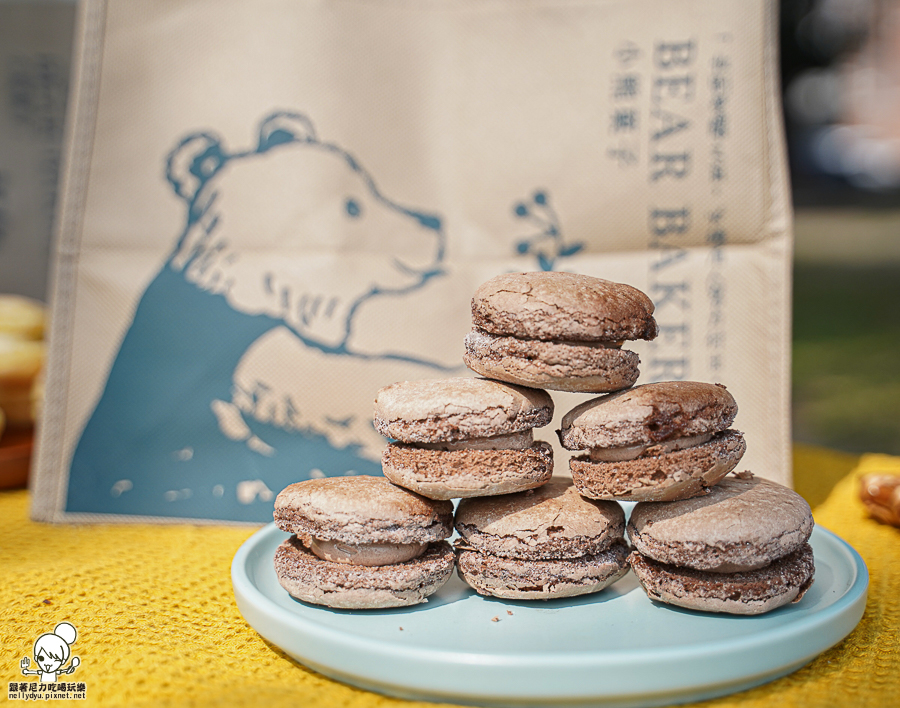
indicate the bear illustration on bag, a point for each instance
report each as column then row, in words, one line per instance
column 236, row 374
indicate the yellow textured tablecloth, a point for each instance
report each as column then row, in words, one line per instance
column 158, row 625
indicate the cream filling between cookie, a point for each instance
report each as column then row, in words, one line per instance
column 511, row 441
column 594, row 344
column 632, row 452
column 369, row 554
column 478, row 337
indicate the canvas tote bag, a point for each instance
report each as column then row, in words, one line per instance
column 272, row 209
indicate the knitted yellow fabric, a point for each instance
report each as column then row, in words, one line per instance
column 158, row 624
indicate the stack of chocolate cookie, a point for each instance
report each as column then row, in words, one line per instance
column 558, row 331
column 702, row 540
column 654, row 442
column 464, row 437
column 472, row 439
column 564, row 332
column 665, row 444
column 361, row 543
column 523, row 536
column 742, row 549
column 544, row 543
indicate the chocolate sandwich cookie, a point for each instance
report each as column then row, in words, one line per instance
column 559, row 331
column 655, row 442
column 464, row 437
column 361, row 542
column 540, row 544
column 742, row 549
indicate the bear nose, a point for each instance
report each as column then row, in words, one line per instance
column 428, row 221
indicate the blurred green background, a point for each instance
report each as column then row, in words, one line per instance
column 840, row 70
column 846, row 356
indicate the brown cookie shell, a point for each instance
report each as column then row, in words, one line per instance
column 569, row 306
column 516, row 579
column 342, row 585
column 648, row 413
column 462, row 408
column 558, row 366
column 453, row 474
column 361, row 509
column 745, row 593
column 680, row 474
column 551, row 521
column 741, row 524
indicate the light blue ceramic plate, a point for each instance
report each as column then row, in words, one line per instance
column 614, row 648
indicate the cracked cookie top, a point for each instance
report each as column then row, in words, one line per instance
column 744, row 523
column 361, row 509
column 552, row 521
column 562, row 306
column 648, row 414
column 446, row 410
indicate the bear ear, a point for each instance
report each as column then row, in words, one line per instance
column 193, row 161
column 285, row 127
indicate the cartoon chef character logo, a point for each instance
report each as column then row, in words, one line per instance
column 51, row 652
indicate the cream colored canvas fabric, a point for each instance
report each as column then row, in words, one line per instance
column 272, row 210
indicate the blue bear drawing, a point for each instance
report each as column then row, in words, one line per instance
column 197, row 418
